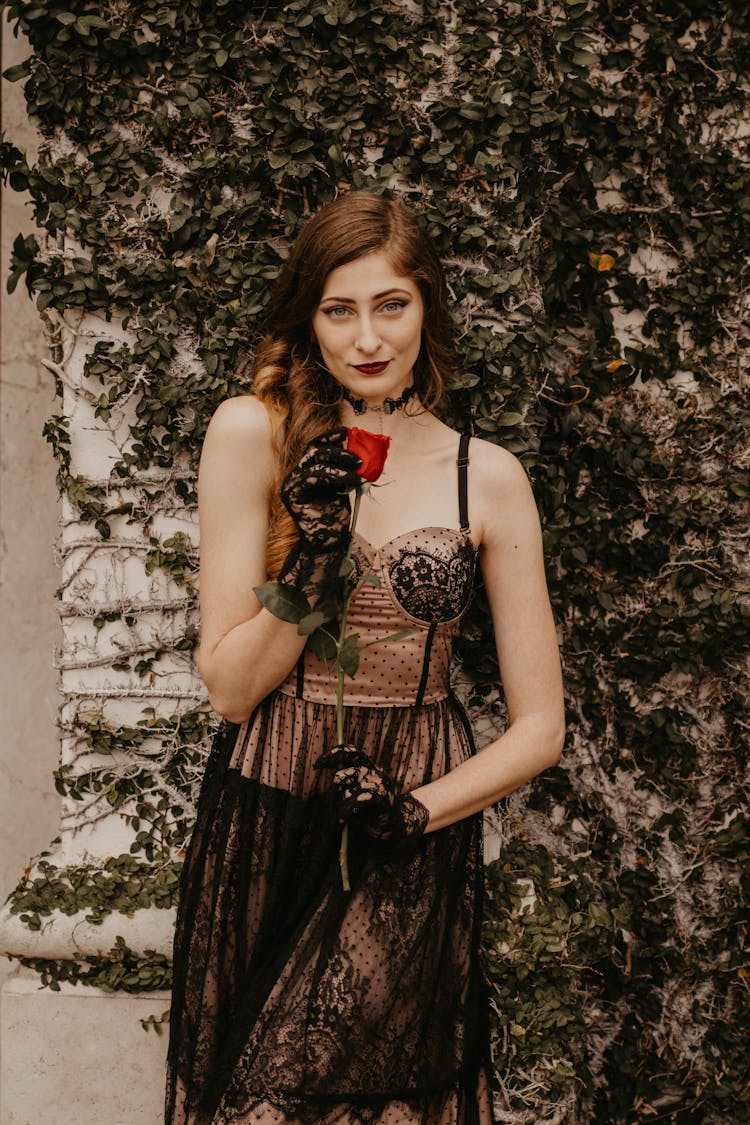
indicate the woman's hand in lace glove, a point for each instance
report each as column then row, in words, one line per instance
column 316, row 495
column 315, row 492
column 363, row 793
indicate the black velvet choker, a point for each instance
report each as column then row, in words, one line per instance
column 390, row 405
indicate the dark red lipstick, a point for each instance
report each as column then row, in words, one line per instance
column 371, row 368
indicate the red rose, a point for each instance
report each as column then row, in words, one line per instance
column 372, row 449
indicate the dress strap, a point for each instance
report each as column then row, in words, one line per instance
column 463, row 475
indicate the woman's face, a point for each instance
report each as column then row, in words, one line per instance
column 368, row 326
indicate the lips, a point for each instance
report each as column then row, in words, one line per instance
column 371, row 368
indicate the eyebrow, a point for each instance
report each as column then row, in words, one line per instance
column 376, row 297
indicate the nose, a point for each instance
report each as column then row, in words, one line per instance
column 367, row 340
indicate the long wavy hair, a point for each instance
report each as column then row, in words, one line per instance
column 301, row 396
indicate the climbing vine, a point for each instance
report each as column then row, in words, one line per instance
column 122, row 884
column 120, row 970
column 583, row 169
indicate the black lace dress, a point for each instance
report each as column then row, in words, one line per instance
column 295, row 1001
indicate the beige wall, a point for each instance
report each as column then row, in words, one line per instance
column 29, row 806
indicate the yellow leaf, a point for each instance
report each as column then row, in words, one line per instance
column 612, row 367
column 606, row 261
column 593, row 258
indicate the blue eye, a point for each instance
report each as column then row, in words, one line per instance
column 394, row 306
column 334, row 311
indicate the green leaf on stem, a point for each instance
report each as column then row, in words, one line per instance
column 330, row 605
column 347, row 568
column 348, row 655
column 284, row 602
column 372, row 579
column 398, row 636
column 323, row 644
column 311, row 622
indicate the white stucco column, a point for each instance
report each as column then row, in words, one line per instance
column 80, row 1054
column 58, row 1046
column 115, row 610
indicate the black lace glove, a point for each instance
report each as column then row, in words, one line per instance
column 363, row 793
column 315, row 493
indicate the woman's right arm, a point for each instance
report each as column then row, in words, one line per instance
column 245, row 652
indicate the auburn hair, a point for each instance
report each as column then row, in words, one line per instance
column 302, row 397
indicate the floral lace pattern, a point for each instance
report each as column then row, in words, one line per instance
column 430, row 587
column 294, row 1002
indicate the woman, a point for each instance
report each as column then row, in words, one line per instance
column 295, row 1000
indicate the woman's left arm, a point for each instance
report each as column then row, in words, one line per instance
column 513, row 569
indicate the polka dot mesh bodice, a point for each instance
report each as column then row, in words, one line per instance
column 424, row 584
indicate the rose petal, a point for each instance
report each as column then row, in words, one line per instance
column 372, row 449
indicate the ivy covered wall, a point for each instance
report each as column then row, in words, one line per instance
column 583, row 168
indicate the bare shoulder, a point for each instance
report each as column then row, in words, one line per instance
column 240, row 431
column 242, row 416
column 497, row 473
column 500, row 489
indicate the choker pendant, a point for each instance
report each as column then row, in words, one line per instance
column 389, row 406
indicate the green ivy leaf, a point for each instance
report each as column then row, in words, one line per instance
column 15, row 73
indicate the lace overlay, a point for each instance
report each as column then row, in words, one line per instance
column 293, row 1000
column 432, row 588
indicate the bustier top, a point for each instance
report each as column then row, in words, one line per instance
column 420, row 581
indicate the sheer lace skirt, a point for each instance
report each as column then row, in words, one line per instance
column 295, row 1001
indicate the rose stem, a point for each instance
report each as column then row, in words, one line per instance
column 343, row 849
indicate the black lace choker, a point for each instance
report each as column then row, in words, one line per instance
column 390, row 405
